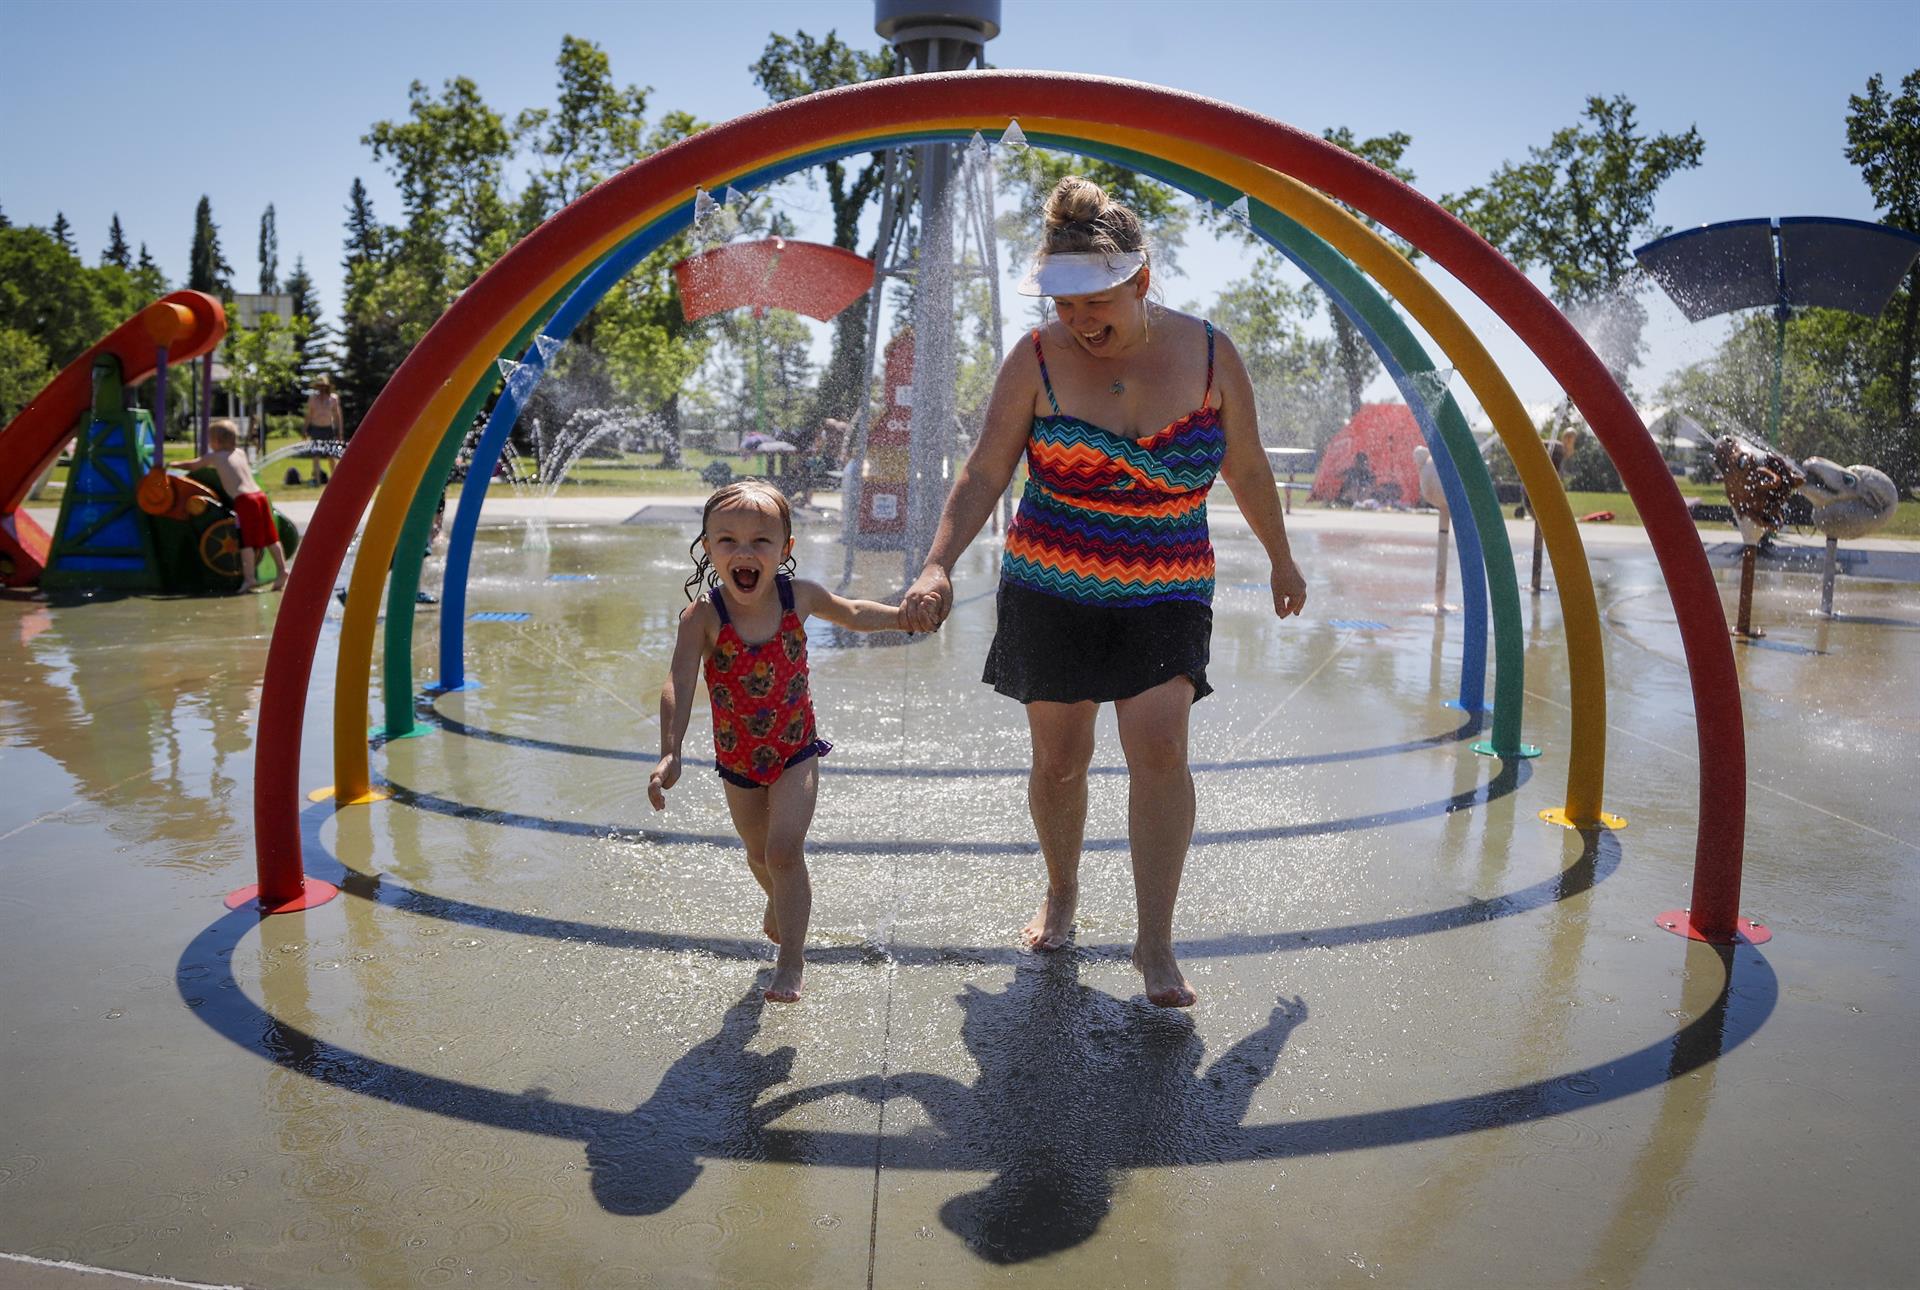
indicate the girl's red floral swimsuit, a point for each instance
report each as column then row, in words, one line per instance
column 762, row 707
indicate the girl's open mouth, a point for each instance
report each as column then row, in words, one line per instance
column 746, row 578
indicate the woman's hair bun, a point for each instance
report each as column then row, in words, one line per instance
column 1075, row 201
column 1080, row 216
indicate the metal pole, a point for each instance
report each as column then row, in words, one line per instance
column 1827, row 576
column 1440, row 568
column 1744, row 623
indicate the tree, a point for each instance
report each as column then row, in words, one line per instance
column 269, row 253
column 63, row 233
column 147, row 274
column 52, row 307
column 1357, row 361
column 449, row 160
column 117, row 252
column 207, row 268
column 792, row 66
column 374, row 346
column 1883, row 139
column 596, row 130
column 1298, row 383
column 263, row 361
column 1577, row 208
column 306, row 305
column 24, row 370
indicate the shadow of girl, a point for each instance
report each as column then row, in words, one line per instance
column 705, row 1106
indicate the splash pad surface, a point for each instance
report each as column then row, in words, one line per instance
column 1438, row 1041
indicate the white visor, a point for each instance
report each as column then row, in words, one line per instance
column 1080, row 273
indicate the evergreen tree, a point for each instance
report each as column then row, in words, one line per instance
column 4, row 221
column 306, row 305
column 207, row 268
column 117, row 252
column 147, row 274
column 369, row 330
column 269, row 253
column 63, row 233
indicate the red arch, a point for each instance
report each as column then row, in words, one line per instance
column 922, row 100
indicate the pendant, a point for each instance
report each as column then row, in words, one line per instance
column 1119, row 388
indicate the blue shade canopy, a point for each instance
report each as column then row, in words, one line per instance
column 1716, row 267
column 1831, row 263
column 1844, row 263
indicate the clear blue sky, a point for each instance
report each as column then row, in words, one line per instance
column 140, row 109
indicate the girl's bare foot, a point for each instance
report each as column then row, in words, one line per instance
column 1166, row 986
column 785, row 986
column 769, row 924
column 1052, row 927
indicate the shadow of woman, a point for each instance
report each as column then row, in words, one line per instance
column 1075, row 1087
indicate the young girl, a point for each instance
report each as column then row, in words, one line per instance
column 747, row 630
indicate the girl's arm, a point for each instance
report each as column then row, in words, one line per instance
column 988, row 470
column 812, row 599
column 697, row 625
column 1250, row 477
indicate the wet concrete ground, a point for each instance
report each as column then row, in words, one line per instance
column 1439, row 1043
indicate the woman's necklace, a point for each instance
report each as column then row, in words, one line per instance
column 1118, row 387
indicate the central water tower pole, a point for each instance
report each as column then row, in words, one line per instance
column 933, row 36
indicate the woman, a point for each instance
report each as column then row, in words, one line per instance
column 1107, row 581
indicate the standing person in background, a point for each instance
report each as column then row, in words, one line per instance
column 1106, row 585
column 324, row 419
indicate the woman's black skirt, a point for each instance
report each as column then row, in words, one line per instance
column 1052, row 650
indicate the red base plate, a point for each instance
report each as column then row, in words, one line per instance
column 312, row 892
column 1680, row 923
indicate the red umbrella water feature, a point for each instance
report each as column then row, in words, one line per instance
column 802, row 277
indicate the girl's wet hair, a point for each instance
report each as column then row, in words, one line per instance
column 754, row 494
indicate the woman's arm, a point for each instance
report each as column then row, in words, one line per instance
column 988, row 470
column 810, row 599
column 697, row 622
column 1249, row 476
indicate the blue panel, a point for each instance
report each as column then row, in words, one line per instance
column 1844, row 263
column 499, row 616
column 1716, row 267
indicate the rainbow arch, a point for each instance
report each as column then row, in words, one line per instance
column 447, row 376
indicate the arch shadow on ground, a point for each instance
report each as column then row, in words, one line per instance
column 1123, row 1082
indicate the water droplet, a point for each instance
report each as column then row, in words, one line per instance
column 703, row 207
column 733, row 197
column 1013, row 136
column 547, row 346
column 977, row 147
column 1239, row 213
column 507, row 367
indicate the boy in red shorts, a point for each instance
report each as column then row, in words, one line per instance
column 251, row 510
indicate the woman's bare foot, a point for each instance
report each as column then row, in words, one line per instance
column 769, row 924
column 1052, row 927
column 785, row 986
column 1166, row 986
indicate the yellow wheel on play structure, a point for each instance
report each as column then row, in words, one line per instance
column 220, row 548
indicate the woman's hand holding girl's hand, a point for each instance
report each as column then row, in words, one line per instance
column 665, row 776
column 1289, row 588
column 927, row 602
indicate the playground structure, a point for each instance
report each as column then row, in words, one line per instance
column 124, row 523
column 532, row 297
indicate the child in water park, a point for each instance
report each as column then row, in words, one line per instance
column 748, row 632
column 251, row 509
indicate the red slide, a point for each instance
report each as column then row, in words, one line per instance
column 188, row 323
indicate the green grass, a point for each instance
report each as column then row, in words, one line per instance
column 632, row 473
